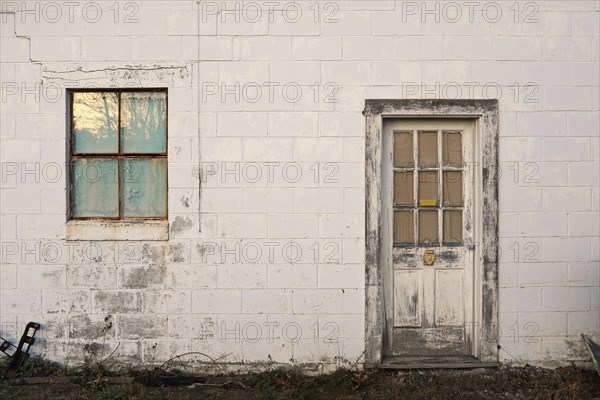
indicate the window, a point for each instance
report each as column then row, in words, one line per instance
column 437, row 176
column 118, row 148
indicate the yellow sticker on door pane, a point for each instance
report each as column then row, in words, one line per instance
column 428, row 203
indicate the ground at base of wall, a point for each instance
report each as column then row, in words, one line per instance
column 501, row 383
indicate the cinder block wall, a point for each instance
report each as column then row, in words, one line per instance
column 265, row 264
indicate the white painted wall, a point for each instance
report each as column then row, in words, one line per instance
column 198, row 291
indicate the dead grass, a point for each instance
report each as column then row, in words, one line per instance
column 503, row 383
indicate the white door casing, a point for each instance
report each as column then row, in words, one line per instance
column 412, row 309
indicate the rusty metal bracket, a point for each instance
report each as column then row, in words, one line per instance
column 18, row 354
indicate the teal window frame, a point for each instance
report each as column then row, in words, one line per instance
column 120, row 156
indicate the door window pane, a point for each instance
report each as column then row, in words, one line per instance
column 143, row 122
column 95, row 122
column 95, row 187
column 452, row 149
column 404, row 188
column 452, row 226
column 404, row 231
column 143, row 187
column 428, row 227
column 428, row 149
column 453, row 185
column 403, row 150
column 428, row 188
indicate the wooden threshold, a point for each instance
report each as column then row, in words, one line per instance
column 412, row 362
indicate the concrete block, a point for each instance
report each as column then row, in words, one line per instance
column 550, row 274
column 296, row 124
column 418, row 48
column 272, row 301
column 268, row 149
column 542, row 224
column 542, row 124
column 241, row 276
column 311, row 301
column 346, row 72
column 293, row 226
column 394, row 73
column 66, row 301
column 521, row 299
column 507, row 48
column 567, row 98
column 347, row 23
column 369, row 48
column 91, row 276
column 21, row 301
column 291, row 276
column 566, row 149
column 347, row 276
column 318, row 200
column 567, row 199
column 567, row 48
column 565, row 299
column 193, row 276
column 105, row 48
column 587, row 322
column 156, row 48
column 566, row 249
column 225, row 200
column 242, row 124
column 266, row 48
column 392, row 23
column 468, row 48
column 221, row 301
column 536, row 325
column 319, row 149
column 41, row 226
column 584, row 224
column 522, row 199
column 171, row 302
column 345, row 226
column 113, row 301
column 584, row 174
column 583, row 124
column 14, row 49
column 268, row 200
column 584, row 274
column 141, row 326
column 316, row 48
column 585, row 74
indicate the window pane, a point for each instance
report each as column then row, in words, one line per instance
column 428, row 188
column 143, row 122
column 452, row 226
column 95, row 188
column 95, row 122
column 403, row 150
column 428, row 149
column 428, row 227
column 404, row 188
column 144, row 187
column 452, row 143
column 404, row 227
column 453, row 188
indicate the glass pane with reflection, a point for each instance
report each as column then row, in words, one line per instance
column 143, row 122
column 95, row 122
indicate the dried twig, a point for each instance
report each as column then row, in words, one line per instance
column 192, row 353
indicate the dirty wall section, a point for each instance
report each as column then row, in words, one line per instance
column 264, row 260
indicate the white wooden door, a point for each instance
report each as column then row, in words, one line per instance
column 428, row 194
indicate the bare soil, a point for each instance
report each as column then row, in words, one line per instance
column 39, row 381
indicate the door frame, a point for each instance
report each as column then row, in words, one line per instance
column 485, row 114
